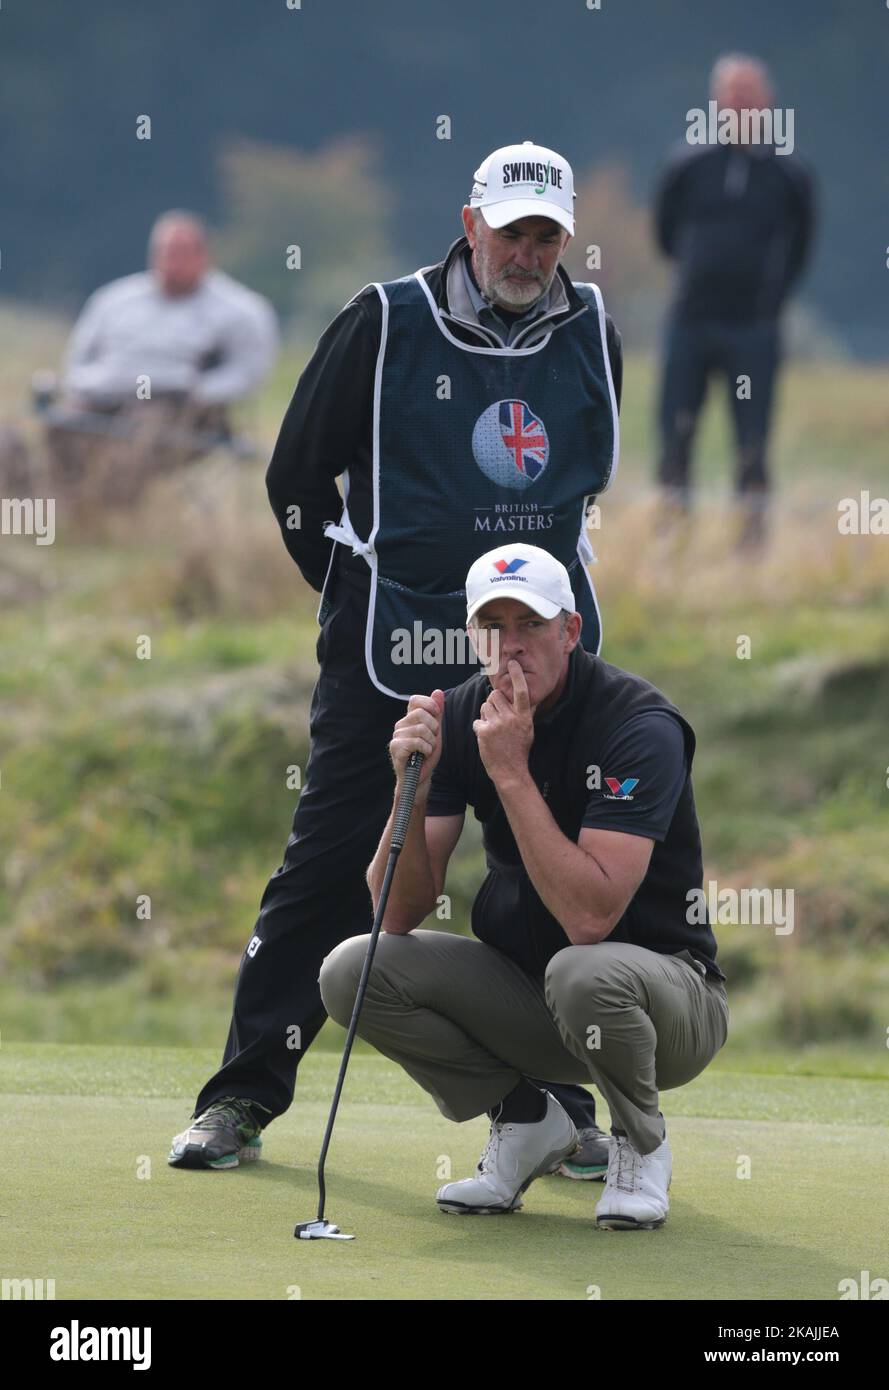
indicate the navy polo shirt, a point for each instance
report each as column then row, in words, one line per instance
column 612, row 754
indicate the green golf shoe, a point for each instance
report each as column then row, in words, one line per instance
column 226, row 1134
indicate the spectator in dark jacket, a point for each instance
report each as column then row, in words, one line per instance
column 737, row 220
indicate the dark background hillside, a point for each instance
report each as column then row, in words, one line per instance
column 605, row 87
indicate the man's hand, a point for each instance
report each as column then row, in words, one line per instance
column 505, row 728
column 419, row 731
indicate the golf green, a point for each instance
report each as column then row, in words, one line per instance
column 95, row 1206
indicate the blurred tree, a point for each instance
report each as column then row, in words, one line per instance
column 632, row 276
column 333, row 205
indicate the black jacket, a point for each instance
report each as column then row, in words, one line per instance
column 328, row 426
column 738, row 221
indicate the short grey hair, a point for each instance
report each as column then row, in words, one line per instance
column 178, row 216
column 732, row 60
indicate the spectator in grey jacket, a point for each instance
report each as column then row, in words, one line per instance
column 180, row 341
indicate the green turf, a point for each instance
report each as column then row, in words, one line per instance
column 82, row 1122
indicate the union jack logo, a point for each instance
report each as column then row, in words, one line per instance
column 524, row 436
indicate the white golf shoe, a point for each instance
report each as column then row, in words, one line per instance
column 514, row 1156
column 635, row 1196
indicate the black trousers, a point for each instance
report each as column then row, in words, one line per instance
column 319, row 896
column 695, row 351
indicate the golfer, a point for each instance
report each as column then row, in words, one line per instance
column 470, row 403
column 587, row 967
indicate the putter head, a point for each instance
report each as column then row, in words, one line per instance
column 319, row 1230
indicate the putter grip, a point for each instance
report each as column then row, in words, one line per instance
column 406, row 800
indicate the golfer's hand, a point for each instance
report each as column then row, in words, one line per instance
column 419, row 731
column 505, row 728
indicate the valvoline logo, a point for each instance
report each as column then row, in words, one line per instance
column 621, row 790
column 510, row 444
column 503, row 568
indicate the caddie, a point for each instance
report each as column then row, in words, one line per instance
column 471, row 402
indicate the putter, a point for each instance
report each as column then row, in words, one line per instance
column 320, row 1229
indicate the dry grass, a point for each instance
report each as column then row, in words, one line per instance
column 208, row 544
column 698, row 569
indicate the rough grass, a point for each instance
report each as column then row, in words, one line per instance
column 122, row 777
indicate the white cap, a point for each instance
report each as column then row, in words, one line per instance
column 524, row 180
column 522, row 572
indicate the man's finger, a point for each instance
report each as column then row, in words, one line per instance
column 421, row 716
column 420, row 743
column 499, row 702
column 521, row 698
column 424, row 702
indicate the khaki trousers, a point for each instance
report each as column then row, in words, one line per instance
column 466, row 1022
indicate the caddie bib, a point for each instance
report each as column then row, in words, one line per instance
column 474, row 447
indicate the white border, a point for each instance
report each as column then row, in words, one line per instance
column 583, row 541
column 373, row 558
column 615, row 452
column 488, row 351
column 344, row 514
